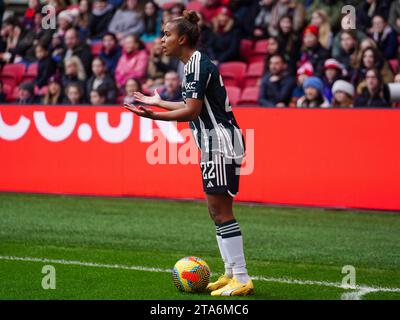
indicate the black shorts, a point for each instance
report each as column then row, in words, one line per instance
column 220, row 175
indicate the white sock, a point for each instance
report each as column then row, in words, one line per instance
column 227, row 265
column 232, row 243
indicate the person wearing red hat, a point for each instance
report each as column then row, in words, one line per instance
column 312, row 50
column 333, row 71
column 224, row 41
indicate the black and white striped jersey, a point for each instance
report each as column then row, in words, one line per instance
column 216, row 129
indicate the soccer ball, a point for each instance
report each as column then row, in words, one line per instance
column 191, row 274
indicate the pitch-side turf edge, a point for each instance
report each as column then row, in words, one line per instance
column 360, row 290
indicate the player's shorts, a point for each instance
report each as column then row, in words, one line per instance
column 220, row 175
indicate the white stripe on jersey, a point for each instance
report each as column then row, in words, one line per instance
column 223, row 166
column 217, row 169
column 197, row 66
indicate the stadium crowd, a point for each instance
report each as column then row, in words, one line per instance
column 272, row 53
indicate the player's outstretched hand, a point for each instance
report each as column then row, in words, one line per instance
column 149, row 100
column 140, row 110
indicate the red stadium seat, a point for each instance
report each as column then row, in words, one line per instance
column 253, row 74
column 15, row 69
column 95, row 48
column 14, row 95
column 256, row 57
column 8, row 90
column 32, row 69
column 394, row 64
column 246, row 48
column 9, row 78
column 194, row 5
column 233, row 94
column 261, row 46
column 232, row 72
column 249, row 97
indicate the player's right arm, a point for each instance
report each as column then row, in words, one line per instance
column 156, row 101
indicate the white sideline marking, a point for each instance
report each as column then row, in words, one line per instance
column 354, row 295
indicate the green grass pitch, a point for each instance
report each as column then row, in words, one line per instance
column 293, row 253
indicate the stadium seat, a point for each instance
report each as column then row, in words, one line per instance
column 261, row 46
column 232, row 72
column 95, row 48
column 233, row 94
column 14, row 95
column 9, row 78
column 254, row 72
column 15, row 69
column 194, row 5
column 394, row 64
column 32, row 69
column 249, row 97
column 246, row 48
column 8, row 90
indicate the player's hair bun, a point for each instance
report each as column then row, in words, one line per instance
column 191, row 16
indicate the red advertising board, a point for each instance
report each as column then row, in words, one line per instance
column 317, row 157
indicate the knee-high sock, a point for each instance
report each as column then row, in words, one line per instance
column 227, row 265
column 232, row 243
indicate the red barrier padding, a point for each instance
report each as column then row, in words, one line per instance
column 316, row 157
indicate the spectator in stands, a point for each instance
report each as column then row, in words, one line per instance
column 376, row 94
column 73, row 73
column 46, row 65
column 73, row 47
column 289, row 42
column 384, row 36
column 74, row 94
column 273, row 48
column 284, row 7
column 368, row 9
column 29, row 15
column 54, row 94
column 224, row 41
column 357, row 37
column 131, row 86
column 172, row 89
column 26, row 94
column 209, row 9
column 97, row 97
column 100, row 17
column 176, row 10
column 159, row 65
column 371, row 58
column 313, row 94
column 39, row 33
column 305, row 71
column 259, row 19
column 312, row 50
column 110, row 52
column 65, row 21
column 348, row 52
column 394, row 16
column 320, row 19
column 133, row 62
column 127, row 20
column 101, row 80
column 277, row 85
column 333, row 71
column 152, row 22
column 3, row 97
column 343, row 93
column 332, row 8
column 18, row 41
column 82, row 20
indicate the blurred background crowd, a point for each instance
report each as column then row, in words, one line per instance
column 272, row 53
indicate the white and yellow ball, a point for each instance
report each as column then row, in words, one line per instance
column 191, row 274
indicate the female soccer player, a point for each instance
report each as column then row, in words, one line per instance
column 219, row 138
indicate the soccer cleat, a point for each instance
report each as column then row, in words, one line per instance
column 235, row 288
column 221, row 282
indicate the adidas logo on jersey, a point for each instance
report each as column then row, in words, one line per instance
column 210, row 184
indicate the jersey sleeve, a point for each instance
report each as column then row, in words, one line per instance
column 196, row 83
